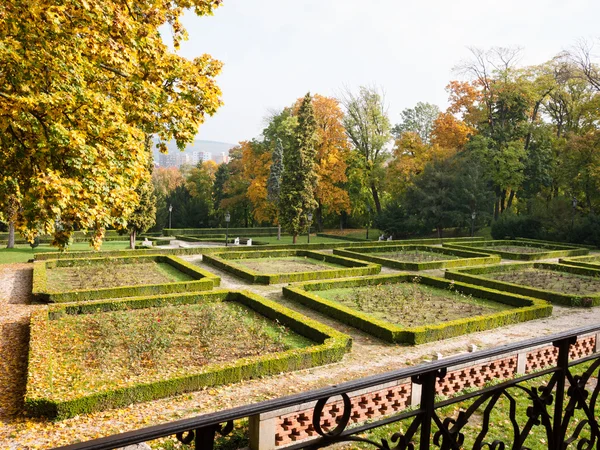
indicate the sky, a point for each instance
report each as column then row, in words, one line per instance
column 274, row 51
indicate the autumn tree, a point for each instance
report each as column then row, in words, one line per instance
column 84, row 86
column 143, row 217
column 298, row 181
column 368, row 128
column 221, row 177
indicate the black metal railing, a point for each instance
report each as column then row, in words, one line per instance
column 551, row 407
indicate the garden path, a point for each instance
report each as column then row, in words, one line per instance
column 369, row 356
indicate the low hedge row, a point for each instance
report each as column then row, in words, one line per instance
column 203, row 280
column 526, row 308
column 331, row 346
column 590, row 261
column 467, row 258
column 569, row 244
column 473, row 276
column 546, row 250
column 352, row 267
column 246, row 232
column 407, row 241
column 211, row 250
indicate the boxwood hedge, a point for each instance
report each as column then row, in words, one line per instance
column 466, row 258
column 546, row 250
column 590, row 261
column 352, row 267
column 473, row 275
column 526, row 308
column 202, row 279
column 330, row 346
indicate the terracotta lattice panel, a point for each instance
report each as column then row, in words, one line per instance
column 298, row 426
column 476, row 376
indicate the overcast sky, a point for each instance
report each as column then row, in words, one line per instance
column 274, row 51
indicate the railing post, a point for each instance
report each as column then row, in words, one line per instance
column 427, row 381
column 562, row 364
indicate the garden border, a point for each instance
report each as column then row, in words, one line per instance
column 553, row 251
column 470, row 275
column 330, row 346
column 582, row 261
column 203, row 279
column 469, row 258
column 353, row 267
column 528, row 309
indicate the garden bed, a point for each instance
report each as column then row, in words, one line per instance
column 521, row 249
column 417, row 257
column 557, row 283
column 414, row 310
column 284, row 266
column 69, row 280
column 91, row 356
column 589, row 261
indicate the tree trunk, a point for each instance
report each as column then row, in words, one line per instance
column 376, row 198
column 278, row 232
column 511, row 197
column 11, row 235
column 320, row 218
column 497, row 208
column 132, row 237
column 503, row 201
column 439, row 230
column 294, row 239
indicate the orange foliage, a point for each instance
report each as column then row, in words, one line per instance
column 450, row 132
column 411, row 156
column 166, row 179
column 464, row 98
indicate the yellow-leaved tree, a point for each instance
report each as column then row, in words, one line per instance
column 84, row 85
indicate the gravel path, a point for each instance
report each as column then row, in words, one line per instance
column 369, row 356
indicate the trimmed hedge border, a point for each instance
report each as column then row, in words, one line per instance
column 468, row 258
column 246, row 232
column 471, row 275
column 588, row 261
column 211, row 250
column 203, row 280
column 330, row 347
column 546, row 250
column 354, row 267
column 527, row 309
column 568, row 244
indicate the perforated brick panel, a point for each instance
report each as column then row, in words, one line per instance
column 476, row 376
column 583, row 347
column 298, row 426
column 547, row 356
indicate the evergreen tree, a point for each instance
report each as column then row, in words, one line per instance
column 274, row 181
column 298, row 180
column 221, row 176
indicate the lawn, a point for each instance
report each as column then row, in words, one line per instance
column 110, row 350
column 564, row 282
column 23, row 253
column 107, row 276
column 411, row 304
column 417, row 256
column 289, row 264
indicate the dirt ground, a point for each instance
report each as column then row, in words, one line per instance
column 368, row 356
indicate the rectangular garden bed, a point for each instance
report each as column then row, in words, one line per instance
column 557, row 283
column 589, row 261
column 414, row 310
column 284, row 266
column 71, row 280
column 417, row 257
column 521, row 250
column 92, row 356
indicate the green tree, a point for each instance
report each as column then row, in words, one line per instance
column 419, row 119
column 221, row 176
column 298, row 180
column 368, row 128
column 143, row 216
column 274, row 181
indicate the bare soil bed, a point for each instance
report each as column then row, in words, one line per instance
column 107, row 276
column 411, row 304
column 416, row 256
column 108, row 350
column 515, row 249
column 284, row 265
column 549, row 280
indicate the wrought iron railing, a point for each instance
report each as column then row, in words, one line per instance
column 551, row 408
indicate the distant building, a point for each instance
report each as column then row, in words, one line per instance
column 173, row 159
column 199, row 157
column 224, row 158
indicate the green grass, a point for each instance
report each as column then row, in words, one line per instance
column 23, row 252
column 411, row 304
column 287, row 264
column 300, row 240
